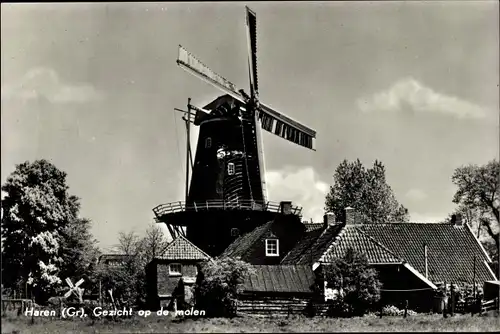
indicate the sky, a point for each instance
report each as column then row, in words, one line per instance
column 92, row 87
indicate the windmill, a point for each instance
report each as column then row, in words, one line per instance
column 75, row 289
column 227, row 189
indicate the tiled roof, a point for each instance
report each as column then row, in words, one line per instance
column 352, row 237
column 450, row 249
column 240, row 246
column 313, row 246
column 183, row 249
column 313, row 226
column 303, row 249
column 279, row 278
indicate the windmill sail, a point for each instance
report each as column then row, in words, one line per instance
column 252, row 51
column 286, row 128
column 187, row 61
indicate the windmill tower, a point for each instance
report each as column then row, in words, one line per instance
column 227, row 193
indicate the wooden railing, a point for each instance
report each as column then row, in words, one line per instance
column 489, row 305
column 214, row 205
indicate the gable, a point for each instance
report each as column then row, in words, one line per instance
column 183, row 249
column 450, row 249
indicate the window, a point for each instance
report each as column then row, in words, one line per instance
column 175, row 269
column 230, row 168
column 272, row 247
column 208, row 142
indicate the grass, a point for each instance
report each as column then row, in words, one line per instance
column 155, row 324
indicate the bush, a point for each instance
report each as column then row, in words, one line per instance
column 356, row 284
column 391, row 310
column 218, row 285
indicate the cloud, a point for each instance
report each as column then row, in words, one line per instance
column 416, row 195
column 409, row 92
column 301, row 186
column 45, row 83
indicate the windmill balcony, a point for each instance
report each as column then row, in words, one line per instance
column 219, row 205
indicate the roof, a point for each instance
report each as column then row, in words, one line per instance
column 113, row 257
column 353, row 237
column 313, row 226
column 450, row 249
column 182, row 249
column 240, row 246
column 280, row 278
column 302, row 249
column 313, row 246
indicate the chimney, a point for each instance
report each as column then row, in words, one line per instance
column 349, row 216
column 286, row 207
column 456, row 219
column 328, row 219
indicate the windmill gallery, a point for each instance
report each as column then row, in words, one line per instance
column 226, row 213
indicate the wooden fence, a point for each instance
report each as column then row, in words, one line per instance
column 489, row 305
column 19, row 305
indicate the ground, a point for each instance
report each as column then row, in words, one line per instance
column 424, row 323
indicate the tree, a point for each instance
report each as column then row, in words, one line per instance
column 79, row 252
column 478, row 193
column 37, row 214
column 357, row 285
column 218, row 285
column 127, row 281
column 365, row 190
column 154, row 243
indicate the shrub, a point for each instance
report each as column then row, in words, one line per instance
column 218, row 285
column 357, row 285
column 391, row 310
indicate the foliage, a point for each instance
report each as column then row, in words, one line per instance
column 365, row 190
column 356, row 283
column 79, row 253
column 127, row 280
column 154, row 243
column 391, row 310
column 40, row 228
column 478, row 194
column 218, row 285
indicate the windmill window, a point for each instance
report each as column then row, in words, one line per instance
column 175, row 269
column 208, row 142
column 235, row 232
column 272, row 247
column 230, row 168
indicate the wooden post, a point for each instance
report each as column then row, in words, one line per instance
column 188, row 146
column 498, row 277
column 100, row 293
column 406, row 309
column 452, row 299
column 444, row 302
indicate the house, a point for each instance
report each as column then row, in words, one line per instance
column 412, row 259
column 113, row 260
column 282, row 289
column 172, row 276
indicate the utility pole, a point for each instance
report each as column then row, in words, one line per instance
column 188, row 146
